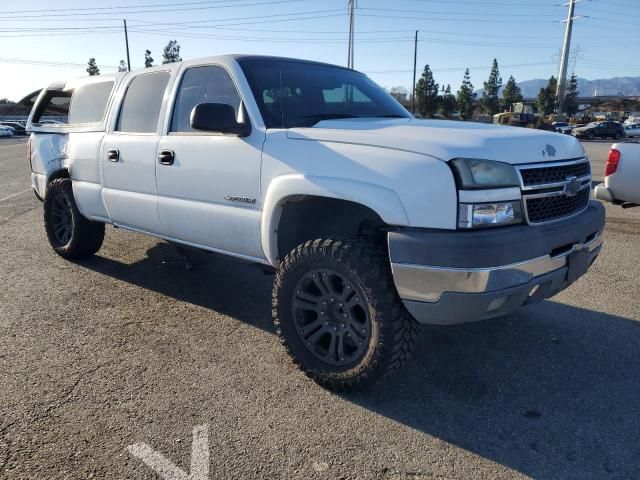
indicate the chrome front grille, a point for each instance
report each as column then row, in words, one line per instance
column 553, row 191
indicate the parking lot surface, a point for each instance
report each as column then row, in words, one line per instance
column 105, row 359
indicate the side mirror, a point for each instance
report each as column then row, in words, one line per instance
column 218, row 117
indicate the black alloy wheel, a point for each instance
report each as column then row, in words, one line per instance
column 331, row 318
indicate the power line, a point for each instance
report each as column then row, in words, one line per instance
column 118, row 7
column 170, row 9
column 493, row 15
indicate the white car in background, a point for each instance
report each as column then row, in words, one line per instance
column 6, row 131
column 622, row 175
column 632, row 130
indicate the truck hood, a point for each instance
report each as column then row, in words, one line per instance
column 445, row 140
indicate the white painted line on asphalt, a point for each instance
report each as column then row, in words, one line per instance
column 167, row 470
column 15, row 195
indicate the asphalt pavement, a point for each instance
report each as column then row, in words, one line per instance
column 128, row 364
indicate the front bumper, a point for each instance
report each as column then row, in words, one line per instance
column 457, row 277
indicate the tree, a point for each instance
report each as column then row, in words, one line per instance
column 427, row 93
column 148, row 59
column 401, row 94
column 490, row 99
column 571, row 98
column 92, row 67
column 171, row 52
column 5, row 100
column 447, row 103
column 511, row 93
column 466, row 96
column 547, row 101
column 122, row 67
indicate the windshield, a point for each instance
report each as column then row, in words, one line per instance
column 593, row 124
column 293, row 93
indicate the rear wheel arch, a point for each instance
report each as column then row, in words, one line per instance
column 56, row 174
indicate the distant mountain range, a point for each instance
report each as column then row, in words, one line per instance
column 627, row 86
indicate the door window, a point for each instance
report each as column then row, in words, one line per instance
column 210, row 84
column 142, row 103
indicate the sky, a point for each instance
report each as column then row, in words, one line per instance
column 41, row 43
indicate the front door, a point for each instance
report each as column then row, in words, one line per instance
column 209, row 183
column 128, row 155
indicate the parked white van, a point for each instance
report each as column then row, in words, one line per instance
column 373, row 221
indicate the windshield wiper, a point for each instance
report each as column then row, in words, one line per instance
column 311, row 120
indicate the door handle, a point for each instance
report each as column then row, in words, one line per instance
column 113, row 155
column 166, row 157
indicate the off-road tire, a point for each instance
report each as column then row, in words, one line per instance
column 84, row 236
column 393, row 331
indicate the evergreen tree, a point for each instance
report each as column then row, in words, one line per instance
column 466, row 96
column 571, row 98
column 447, row 103
column 171, row 52
column 547, row 100
column 511, row 93
column 427, row 94
column 122, row 67
column 92, row 67
column 148, row 59
column 490, row 99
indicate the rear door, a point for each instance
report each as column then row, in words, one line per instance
column 128, row 154
column 209, row 186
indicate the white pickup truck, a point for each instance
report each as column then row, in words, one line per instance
column 373, row 221
column 622, row 175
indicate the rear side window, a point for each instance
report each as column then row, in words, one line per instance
column 211, row 84
column 53, row 108
column 142, row 103
column 89, row 103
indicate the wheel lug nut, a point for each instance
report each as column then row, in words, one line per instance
column 360, row 343
column 364, row 331
column 348, row 287
column 298, row 292
column 324, row 274
column 313, row 275
column 342, row 359
column 357, row 299
column 308, row 344
column 323, row 313
column 326, row 323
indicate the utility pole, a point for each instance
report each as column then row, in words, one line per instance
column 415, row 62
column 564, row 60
column 126, row 40
column 352, row 5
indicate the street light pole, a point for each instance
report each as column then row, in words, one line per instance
column 352, row 4
column 564, row 60
column 415, row 62
column 126, row 40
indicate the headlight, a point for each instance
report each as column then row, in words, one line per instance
column 474, row 215
column 472, row 174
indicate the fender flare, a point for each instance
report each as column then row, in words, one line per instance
column 383, row 201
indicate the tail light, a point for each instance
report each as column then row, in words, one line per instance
column 612, row 162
